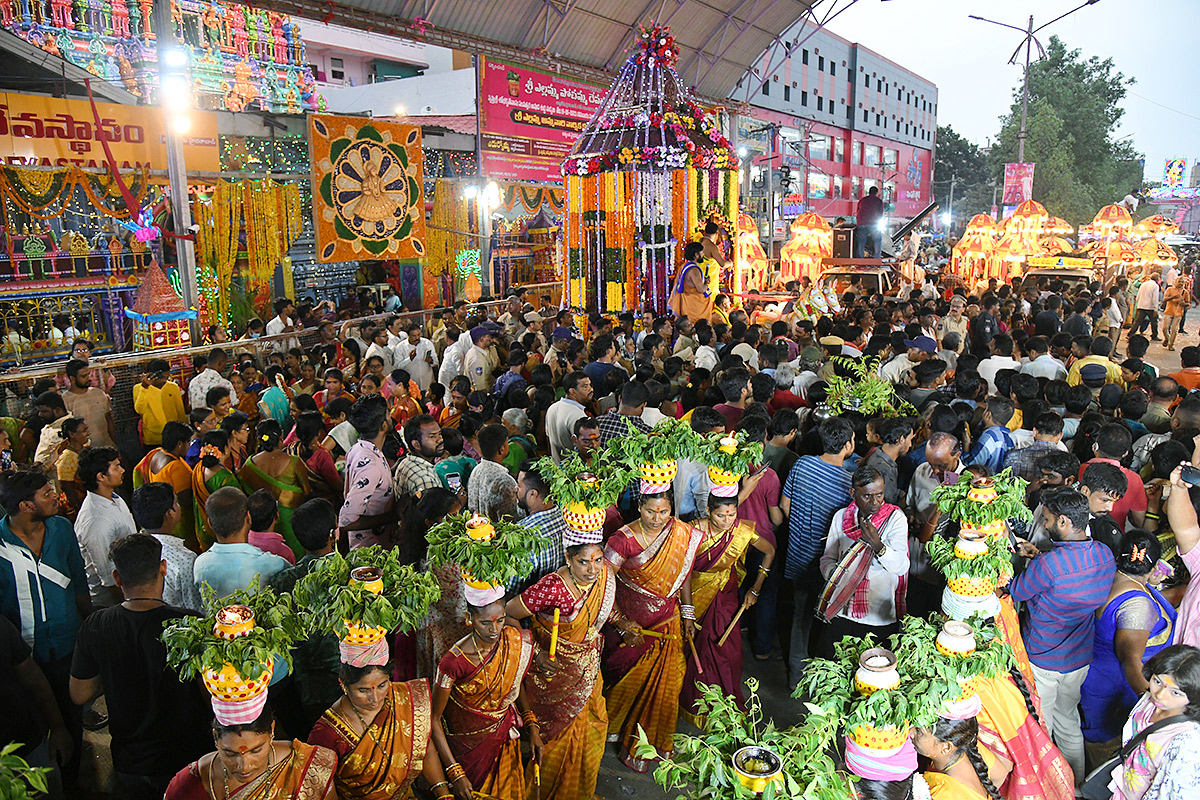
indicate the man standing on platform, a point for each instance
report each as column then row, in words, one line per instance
column 869, row 213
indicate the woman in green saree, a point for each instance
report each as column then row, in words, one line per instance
column 208, row 475
column 284, row 475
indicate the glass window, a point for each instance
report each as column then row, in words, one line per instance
column 839, row 149
column 832, row 69
column 336, row 69
column 803, row 98
column 865, row 112
column 804, row 56
column 818, row 147
column 871, row 155
column 856, row 152
column 821, row 63
column 766, row 87
column 820, row 103
column 855, row 187
column 818, row 186
column 787, row 92
column 868, row 183
column 867, row 81
column 891, row 158
column 837, row 187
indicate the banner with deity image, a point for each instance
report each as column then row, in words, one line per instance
column 368, row 201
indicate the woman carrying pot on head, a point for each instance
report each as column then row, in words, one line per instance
column 957, row 770
column 477, row 694
column 565, row 694
column 644, row 649
column 720, row 562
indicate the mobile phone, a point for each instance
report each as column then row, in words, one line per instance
column 455, row 481
column 1162, row 571
column 1190, row 474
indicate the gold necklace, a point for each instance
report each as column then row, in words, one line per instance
column 363, row 722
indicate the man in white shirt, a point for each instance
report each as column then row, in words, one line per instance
column 416, row 355
column 211, row 376
column 1001, row 358
column 103, row 519
column 282, row 321
column 561, row 415
column 1149, row 295
column 920, row 349
column 884, row 529
column 379, row 347
column 1041, row 363
column 706, row 354
column 156, row 511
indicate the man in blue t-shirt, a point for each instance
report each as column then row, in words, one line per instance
column 815, row 489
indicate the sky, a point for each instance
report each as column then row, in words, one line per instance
column 1152, row 41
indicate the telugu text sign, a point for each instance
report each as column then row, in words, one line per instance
column 530, row 119
column 60, row 132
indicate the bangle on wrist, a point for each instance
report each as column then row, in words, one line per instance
column 434, row 788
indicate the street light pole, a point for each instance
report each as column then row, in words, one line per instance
column 1025, row 94
column 1028, row 42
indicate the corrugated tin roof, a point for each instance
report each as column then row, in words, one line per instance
column 718, row 39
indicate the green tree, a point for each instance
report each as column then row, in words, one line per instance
column 963, row 161
column 1078, row 100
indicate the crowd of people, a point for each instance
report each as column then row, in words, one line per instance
column 252, row 472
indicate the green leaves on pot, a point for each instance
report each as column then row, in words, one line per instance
column 17, row 777
column 702, row 766
column 864, row 390
column 738, row 462
column 995, row 565
column 193, row 648
column 596, row 485
column 330, row 598
column 507, row 556
column 954, row 501
column 670, row 440
column 830, row 683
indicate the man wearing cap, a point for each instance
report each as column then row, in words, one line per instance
column 920, row 349
column 556, row 354
column 477, row 364
column 511, row 318
column 531, row 322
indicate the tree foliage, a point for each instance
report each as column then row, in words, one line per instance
column 1074, row 111
column 961, row 159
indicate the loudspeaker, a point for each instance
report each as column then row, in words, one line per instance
column 843, row 242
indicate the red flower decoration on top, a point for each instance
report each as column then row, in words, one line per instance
column 658, row 46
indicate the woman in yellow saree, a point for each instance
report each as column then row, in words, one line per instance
column 643, row 649
column 208, row 475
column 476, row 695
column 283, row 475
column 380, row 733
column 249, row 765
column 719, row 567
column 566, row 695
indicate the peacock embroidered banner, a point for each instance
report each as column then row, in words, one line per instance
column 367, row 188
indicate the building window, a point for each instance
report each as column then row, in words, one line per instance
column 819, row 147
column 849, row 113
column 837, row 187
column 877, row 119
column 337, row 69
column 839, row 149
column 804, row 98
column 820, row 103
column 897, row 126
column 804, row 56
column 821, row 63
column 787, row 92
column 766, row 87
column 865, row 112
column 818, row 186
column 856, row 152
column 878, row 85
column 832, row 69
column 867, row 81
column 871, row 155
column 855, row 187
column 887, row 89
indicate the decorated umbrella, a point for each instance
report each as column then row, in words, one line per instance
column 1013, row 250
column 752, row 264
column 1114, row 256
column 1029, row 217
column 812, row 239
column 980, row 224
column 1154, row 253
column 1153, row 227
column 1112, row 221
column 1057, row 226
column 972, row 255
column 1053, row 245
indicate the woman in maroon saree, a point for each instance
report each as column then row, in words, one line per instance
column 718, row 570
column 643, row 650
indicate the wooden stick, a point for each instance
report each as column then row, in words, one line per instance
column 554, row 635
column 732, row 624
column 537, row 779
column 695, row 656
column 656, row 634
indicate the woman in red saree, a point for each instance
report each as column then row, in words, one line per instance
column 249, row 765
column 1008, row 728
column 566, row 694
column 719, row 567
column 476, row 695
column 380, row 733
column 643, row 649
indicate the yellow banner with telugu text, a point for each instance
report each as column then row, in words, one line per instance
column 59, row 132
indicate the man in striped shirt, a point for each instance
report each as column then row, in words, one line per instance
column 814, row 490
column 1062, row 590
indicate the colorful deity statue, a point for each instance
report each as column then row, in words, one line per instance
column 8, row 13
column 281, row 49
column 210, row 23
column 265, row 41
column 243, row 92
column 237, row 23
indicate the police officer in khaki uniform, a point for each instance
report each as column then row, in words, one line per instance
column 478, row 364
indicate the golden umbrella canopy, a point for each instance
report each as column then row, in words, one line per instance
column 1155, row 253
column 981, row 223
column 1113, row 250
column 1030, row 217
column 1056, row 244
column 1112, row 220
column 1057, row 226
column 1016, row 247
column 1153, row 226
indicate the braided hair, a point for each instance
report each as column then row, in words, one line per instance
column 963, row 734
